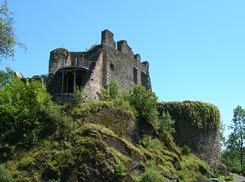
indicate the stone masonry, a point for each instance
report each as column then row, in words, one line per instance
column 95, row 68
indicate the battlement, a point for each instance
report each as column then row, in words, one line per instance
column 107, row 39
column 137, row 57
column 123, row 47
column 96, row 68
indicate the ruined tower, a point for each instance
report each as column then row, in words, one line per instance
column 95, row 68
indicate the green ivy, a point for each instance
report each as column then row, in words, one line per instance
column 199, row 114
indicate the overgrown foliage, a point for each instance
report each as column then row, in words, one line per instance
column 151, row 174
column 112, row 91
column 140, row 99
column 145, row 103
column 165, row 125
column 80, row 146
column 199, row 114
column 5, row 175
column 26, row 115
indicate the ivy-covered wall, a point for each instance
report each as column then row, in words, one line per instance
column 197, row 126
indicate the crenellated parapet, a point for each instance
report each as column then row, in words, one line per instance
column 107, row 39
column 96, row 68
column 123, row 47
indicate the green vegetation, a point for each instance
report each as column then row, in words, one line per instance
column 152, row 174
column 202, row 115
column 6, row 76
column 5, row 175
column 27, row 115
column 233, row 155
column 88, row 141
column 7, row 33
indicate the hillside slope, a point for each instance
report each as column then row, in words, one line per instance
column 102, row 144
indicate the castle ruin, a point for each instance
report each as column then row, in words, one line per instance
column 95, row 69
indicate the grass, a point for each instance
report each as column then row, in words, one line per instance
column 93, row 145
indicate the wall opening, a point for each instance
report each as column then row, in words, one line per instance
column 70, row 79
column 144, row 80
column 82, row 77
column 112, row 67
column 68, row 82
column 135, row 74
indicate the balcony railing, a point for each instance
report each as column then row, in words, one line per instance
column 75, row 63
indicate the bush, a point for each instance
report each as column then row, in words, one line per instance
column 119, row 172
column 186, row 150
column 27, row 115
column 140, row 99
column 144, row 101
column 112, row 91
column 165, row 125
column 151, row 143
column 25, row 164
column 152, row 175
column 5, row 175
column 20, row 104
column 228, row 178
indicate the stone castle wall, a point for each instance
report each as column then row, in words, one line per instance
column 121, row 64
column 96, row 68
column 197, row 126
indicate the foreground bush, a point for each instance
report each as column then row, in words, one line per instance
column 5, row 175
column 27, row 114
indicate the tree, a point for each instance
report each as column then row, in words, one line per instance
column 6, row 76
column 235, row 143
column 27, row 114
column 222, row 136
column 7, row 34
column 145, row 103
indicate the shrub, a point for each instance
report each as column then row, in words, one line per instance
column 79, row 95
column 25, row 164
column 5, row 175
column 186, row 150
column 117, row 96
column 151, row 143
column 119, row 172
column 112, row 91
column 152, row 175
column 20, row 104
column 27, row 115
column 144, row 101
column 165, row 125
column 228, row 178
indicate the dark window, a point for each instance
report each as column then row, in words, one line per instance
column 112, row 67
column 144, row 80
column 69, row 82
column 135, row 76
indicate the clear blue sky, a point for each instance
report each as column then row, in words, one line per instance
column 196, row 49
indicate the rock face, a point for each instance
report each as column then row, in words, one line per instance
column 197, row 126
column 95, row 68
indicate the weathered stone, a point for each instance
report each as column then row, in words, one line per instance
column 196, row 126
column 96, row 68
